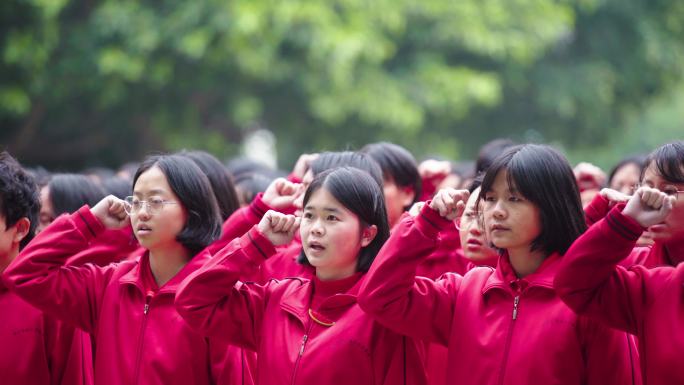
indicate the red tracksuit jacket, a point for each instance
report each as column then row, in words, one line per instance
column 140, row 338
column 275, row 320
column 642, row 301
column 499, row 329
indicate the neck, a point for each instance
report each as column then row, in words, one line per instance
column 5, row 260
column 332, row 274
column 165, row 264
column 524, row 261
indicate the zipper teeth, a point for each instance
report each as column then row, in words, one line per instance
column 509, row 337
column 146, row 310
column 305, row 338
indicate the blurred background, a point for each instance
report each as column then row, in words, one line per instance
column 101, row 83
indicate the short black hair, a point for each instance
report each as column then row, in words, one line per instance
column 68, row 192
column 330, row 160
column 669, row 161
column 398, row 165
column 545, row 178
column 118, row 186
column 19, row 197
column 220, row 179
column 359, row 193
column 489, row 152
column 193, row 190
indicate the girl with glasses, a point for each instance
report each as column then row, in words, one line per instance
column 128, row 307
column 646, row 302
column 307, row 331
column 503, row 325
column 664, row 171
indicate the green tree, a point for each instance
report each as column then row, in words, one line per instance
column 102, row 83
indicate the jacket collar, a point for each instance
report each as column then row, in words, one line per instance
column 298, row 300
column 134, row 276
column 504, row 277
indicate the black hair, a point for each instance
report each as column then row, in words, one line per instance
column 98, row 174
column 19, row 197
column 397, row 165
column 359, row 160
column 220, row 179
column 193, row 190
column 475, row 183
column 544, row 177
column 489, row 152
column 669, row 161
column 248, row 185
column 118, row 186
column 359, row 193
column 637, row 160
column 68, row 192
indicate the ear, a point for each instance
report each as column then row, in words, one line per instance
column 407, row 195
column 368, row 235
column 21, row 229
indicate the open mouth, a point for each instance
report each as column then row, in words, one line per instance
column 143, row 229
column 315, row 246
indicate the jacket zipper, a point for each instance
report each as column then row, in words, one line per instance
column 509, row 337
column 301, row 351
column 141, row 335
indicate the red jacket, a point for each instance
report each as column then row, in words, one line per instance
column 274, row 320
column 38, row 349
column 499, row 329
column 669, row 253
column 140, row 339
column 645, row 302
column 110, row 246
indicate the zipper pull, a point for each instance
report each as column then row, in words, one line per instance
column 147, row 302
column 516, row 301
column 301, row 349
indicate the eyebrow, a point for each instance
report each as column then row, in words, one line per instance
column 331, row 209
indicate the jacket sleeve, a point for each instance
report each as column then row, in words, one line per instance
column 600, row 342
column 240, row 222
column 231, row 364
column 39, row 274
column 596, row 210
column 591, row 282
column 414, row 306
column 214, row 303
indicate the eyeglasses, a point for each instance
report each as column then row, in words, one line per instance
column 132, row 205
column 673, row 192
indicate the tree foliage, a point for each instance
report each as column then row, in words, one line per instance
column 105, row 82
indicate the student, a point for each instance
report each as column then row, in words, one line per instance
column 624, row 177
column 646, row 302
column 401, row 180
column 140, row 339
column 462, row 246
column 66, row 193
column 307, row 331
column 503, row 325
column 36, row 348
column 665, row 171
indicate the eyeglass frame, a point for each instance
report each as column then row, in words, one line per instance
column 128, row 205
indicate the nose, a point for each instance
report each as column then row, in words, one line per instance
column 474, row 228
column 317, row 228
column 498, row 211
column 144, row 211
